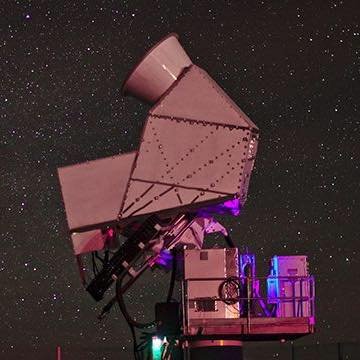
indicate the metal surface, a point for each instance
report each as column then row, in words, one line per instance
column 203, row 302
column 248, row 314
column 157, row 70
column 196, row 96
column 294, row 265
column 199, row 165
column 202, row 292
column 87, row 241
column 215, row 342
column 260, row 319
column 287, row 284
column 93, row 191
column 261, row 328
column 197, row 150
column 213, row 349
column 211, row 263
column 194, row 160
column 191, row 237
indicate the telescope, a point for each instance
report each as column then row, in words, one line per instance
column 154, row 207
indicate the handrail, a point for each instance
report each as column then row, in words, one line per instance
column 297, row 301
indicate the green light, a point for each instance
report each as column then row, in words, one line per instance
column 156, row 348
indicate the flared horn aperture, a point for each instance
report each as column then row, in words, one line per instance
column 157, row 70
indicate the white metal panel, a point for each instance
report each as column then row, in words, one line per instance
column 208, row 289
column 197, row 96
column 192, row 155
column 93, row 191
column 294, row 265
column 87, row 241
column 157, row 70
column 211, row 263
column 145, row 197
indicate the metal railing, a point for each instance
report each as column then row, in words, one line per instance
column 286, row 296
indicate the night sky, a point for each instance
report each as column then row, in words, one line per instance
column 291, row 66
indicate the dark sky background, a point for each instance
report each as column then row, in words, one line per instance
column 292, row 66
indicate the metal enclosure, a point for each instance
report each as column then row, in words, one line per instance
column 205, row 270
column 194, row 160
column 197, row 149
column 288, row 284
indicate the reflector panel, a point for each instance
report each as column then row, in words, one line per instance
column 147, row 197
column 93, row 191
column 197, row 96
column 204, row 157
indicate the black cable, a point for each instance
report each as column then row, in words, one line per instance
column 146, row 345
column 173, row 277
column 94, row 265
column 121, row 302
column 106, row 256
column 135, row 346
column 98, row 257
column 227, row 288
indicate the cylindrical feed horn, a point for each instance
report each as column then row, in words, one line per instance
column 157, row 70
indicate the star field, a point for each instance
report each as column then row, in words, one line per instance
column 292, row 67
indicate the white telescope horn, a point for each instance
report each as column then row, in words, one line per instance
column 157, row 70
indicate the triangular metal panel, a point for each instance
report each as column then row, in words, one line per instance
column 197, row 96
column 93, row 191
column 146, row 197
column 188, row 196
column 192, row 155
column 140, row 195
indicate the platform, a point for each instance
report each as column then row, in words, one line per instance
column 266, row 328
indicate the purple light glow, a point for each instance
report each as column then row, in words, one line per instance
column 230, row 207
column 165, row 259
